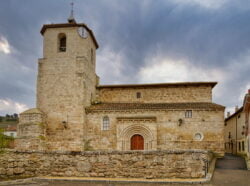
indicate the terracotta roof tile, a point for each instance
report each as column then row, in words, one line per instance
column 246, row 103
column 176, row 84
column 153, row 106
column 234, row 114
column 11, row 128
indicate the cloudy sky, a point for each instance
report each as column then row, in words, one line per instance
column 141, row 41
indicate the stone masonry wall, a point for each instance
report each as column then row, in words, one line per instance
column 65, row 85
column 30, row 129
column 164, row 130
column 129, row 164
column 157, row 95
column 238, row 121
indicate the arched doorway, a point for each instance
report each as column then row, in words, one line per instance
column 126, row 133
column 137, row 142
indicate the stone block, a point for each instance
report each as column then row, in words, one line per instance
column 84, row 166
column 2, row 171
column 19, row 170
column 10, row 171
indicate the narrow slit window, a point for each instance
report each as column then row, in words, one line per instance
column 188, row 114
column 92, row 55
column 62, row 43
column 105, row 123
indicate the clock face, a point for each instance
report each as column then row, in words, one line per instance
column 83, row 32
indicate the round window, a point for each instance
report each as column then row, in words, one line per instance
column 198, row 137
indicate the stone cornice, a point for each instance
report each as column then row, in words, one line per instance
column 143, row 119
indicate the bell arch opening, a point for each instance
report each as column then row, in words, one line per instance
column 62, row 42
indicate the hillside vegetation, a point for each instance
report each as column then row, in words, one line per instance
column 9, row 118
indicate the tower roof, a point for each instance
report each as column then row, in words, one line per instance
column 72, row 24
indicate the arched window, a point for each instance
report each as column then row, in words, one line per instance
column 62, row 42
column 105, row 123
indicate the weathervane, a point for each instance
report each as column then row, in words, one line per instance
column 71, row 18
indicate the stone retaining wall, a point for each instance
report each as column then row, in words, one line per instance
column 128, row 164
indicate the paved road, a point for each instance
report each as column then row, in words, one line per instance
column 230, row 161
column 227, row 177
column 222, row 177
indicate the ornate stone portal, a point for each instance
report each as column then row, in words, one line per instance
column 130, row 126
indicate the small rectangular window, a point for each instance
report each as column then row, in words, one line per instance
column 188, row 114
column 138, row 95
column 239, row 146
column 243, row 146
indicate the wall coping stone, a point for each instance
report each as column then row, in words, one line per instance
column 32, row 111
column 111, row 152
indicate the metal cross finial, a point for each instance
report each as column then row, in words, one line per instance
column 72, row 8
column 71, row 18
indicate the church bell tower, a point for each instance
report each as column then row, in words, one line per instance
column 66, row 82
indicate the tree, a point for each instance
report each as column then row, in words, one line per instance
column 4, row 140
column 15, row 115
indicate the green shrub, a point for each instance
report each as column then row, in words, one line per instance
column 5, row 141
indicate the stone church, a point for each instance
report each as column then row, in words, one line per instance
column 75, row 113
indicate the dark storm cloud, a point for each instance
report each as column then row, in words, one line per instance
column 135, row 31
column 208, row 38
column 20, row 23
column 205, row 36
